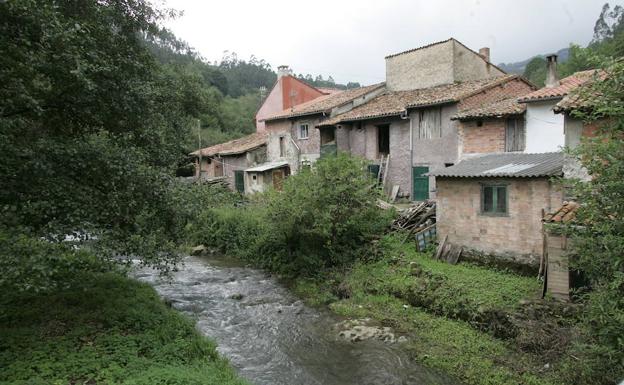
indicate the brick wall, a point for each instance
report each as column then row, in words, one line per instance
column 489, row 137
column 516, row 237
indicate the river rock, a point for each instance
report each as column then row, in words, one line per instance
column 199, row 250
column 237, row 297
column 360, row 330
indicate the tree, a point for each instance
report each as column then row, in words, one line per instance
column 535, row 71
column 91, row 127
column 598, row 235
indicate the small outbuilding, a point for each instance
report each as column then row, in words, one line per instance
column 492, row 205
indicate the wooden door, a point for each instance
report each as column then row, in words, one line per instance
column 420, row 183
column 278, row 179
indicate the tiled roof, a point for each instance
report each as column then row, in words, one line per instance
column 563, row 214
column 329, row 90
column 324, row 103
column 512, row 165
column 565, row 86
column 236, row 146
column 393, row 103
column 577, row 98
column 497, row 109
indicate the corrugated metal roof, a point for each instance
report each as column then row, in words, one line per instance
column 513, row 165
column 267, row 166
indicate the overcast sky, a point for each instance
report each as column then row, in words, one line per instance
column 349, row 39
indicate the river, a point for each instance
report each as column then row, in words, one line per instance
column 272, row 338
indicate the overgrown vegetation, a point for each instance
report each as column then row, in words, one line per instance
column 324, row 217
column 598, row 233
column 480, row 325
column 108, row 330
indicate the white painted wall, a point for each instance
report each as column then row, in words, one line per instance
column 544, row 129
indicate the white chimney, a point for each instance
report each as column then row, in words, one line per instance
column 283, row 70
column 552, row 79
column 485, row 53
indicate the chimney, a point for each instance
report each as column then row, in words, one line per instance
column 283, row 70
column 485, row 53
column 552, row 80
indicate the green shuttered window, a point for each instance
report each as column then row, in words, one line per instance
column 494, row 199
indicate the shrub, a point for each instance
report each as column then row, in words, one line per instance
column 324, row 216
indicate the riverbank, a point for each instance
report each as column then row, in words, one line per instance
column 480, row 325
column 111, row 330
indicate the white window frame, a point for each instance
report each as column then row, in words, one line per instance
column 307, row 130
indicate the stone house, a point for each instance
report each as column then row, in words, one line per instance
column 417, row 129
column 292, row 134
column 493, row 204
column 229, row 160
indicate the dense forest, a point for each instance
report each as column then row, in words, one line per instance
column 607, row 41
column 233, row 88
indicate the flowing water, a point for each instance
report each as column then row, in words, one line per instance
column 272, row 338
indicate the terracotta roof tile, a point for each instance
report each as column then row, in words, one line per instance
column 392, row 103
column 497, row 109
column 324, row 103
column 564, row 214
column 236, row 146
column 566, row 85
column 577, row 98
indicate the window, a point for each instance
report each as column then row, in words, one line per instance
column 494, row 199
column 515, row 135
column 430, row 123
column 383, row 139
column 303, row 131
column 282, row 150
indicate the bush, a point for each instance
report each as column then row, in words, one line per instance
column 326, row 215
column 323, row 217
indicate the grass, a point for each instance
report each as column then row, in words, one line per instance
column 114, row 330
column 446, row 311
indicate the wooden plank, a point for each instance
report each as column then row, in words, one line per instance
column 441, row 247
column 395, row 192
column 385, row 173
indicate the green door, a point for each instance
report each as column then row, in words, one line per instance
column 239, row 181
column 421, row 183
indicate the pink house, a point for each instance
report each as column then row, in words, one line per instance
column 287, row 92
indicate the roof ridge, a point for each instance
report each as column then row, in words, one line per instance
column 418, row 48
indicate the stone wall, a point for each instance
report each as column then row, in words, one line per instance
column 421, row 68
column 516, row 237
column 399, row 168
column 469, row 65
column 435, row 153
column 231, row 164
